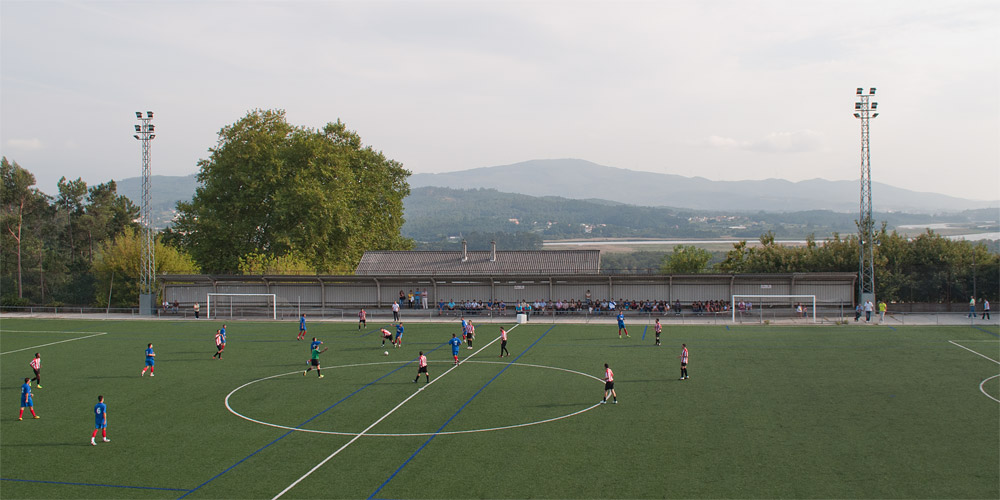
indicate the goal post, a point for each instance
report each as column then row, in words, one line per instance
column 268, row 302
column 762, row 299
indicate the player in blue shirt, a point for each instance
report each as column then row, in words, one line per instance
column 456, row 343
column 149, row 359
column 398, row 342
column 302, row 328
column 26, row 401
column 315, row 343
column 621, row 325
column 100, row 421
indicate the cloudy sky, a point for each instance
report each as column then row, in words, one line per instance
column 726, row 90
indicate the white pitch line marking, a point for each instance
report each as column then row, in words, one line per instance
column 973, row 352
column 54, row 343
column 981, row 384
column 362, row 433
column 410, row 434
column 984, row 390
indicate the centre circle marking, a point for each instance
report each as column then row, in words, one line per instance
column 374, row 434
column 983, row 390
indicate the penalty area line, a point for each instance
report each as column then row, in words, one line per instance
column 54, row 343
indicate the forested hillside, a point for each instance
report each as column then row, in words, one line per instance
column 434, row 214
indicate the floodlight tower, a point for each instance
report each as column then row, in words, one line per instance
column 864, row 110
column 147, row 266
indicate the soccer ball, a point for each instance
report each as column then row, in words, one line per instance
column 386, row 353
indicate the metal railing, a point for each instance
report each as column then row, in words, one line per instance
column 758, row 315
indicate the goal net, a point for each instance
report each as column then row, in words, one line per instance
column 235, row 305
column 799, row 305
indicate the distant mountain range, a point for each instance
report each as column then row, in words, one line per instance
column 580, row 179
column 164, row 193
column 584, row 180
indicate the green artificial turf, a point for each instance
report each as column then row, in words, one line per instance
column 769, row 412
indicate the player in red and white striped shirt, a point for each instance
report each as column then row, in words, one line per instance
column 36, row 364
column 422, row 368
column 657, row 328
column 220, row 344
column 609, row 385
column 362, row 319
column 470, row 333
column 503, row 342
column 684, row 362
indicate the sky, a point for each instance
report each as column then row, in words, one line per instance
column 725, row 90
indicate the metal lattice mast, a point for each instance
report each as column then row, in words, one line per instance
column 864, row 110
column 147, row 270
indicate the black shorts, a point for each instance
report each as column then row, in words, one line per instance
column 220, row 347
column 609, row 385
column 36, row 371
column 422, row 369
column 314, row 362
column 684, row 365
column 387, row 336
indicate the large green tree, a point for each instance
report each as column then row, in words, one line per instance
column 273, row 189
column 17, row 200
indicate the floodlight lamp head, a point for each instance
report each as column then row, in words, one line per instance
column 856, row 115
column 874, row 115
column 152, row 136
column 138, row 128
column 136, row 137
column 874, row 105
column 149, row 114
column 138, row 114
column 857, row 105
column 151, row 127
column 860, row 90
column 871, row 91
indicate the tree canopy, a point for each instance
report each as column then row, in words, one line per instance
column 275, row 190
column 686, row 259
column 49, row 244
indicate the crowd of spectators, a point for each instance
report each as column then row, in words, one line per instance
column 597, row 307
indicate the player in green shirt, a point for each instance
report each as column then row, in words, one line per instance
column 314, row 361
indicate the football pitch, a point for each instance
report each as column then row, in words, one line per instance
column 768, row 412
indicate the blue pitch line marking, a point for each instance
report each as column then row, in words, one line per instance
column 985, row 330
column 644, row 332
column 414, row 455
column 91, row 484
column 283, row 436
